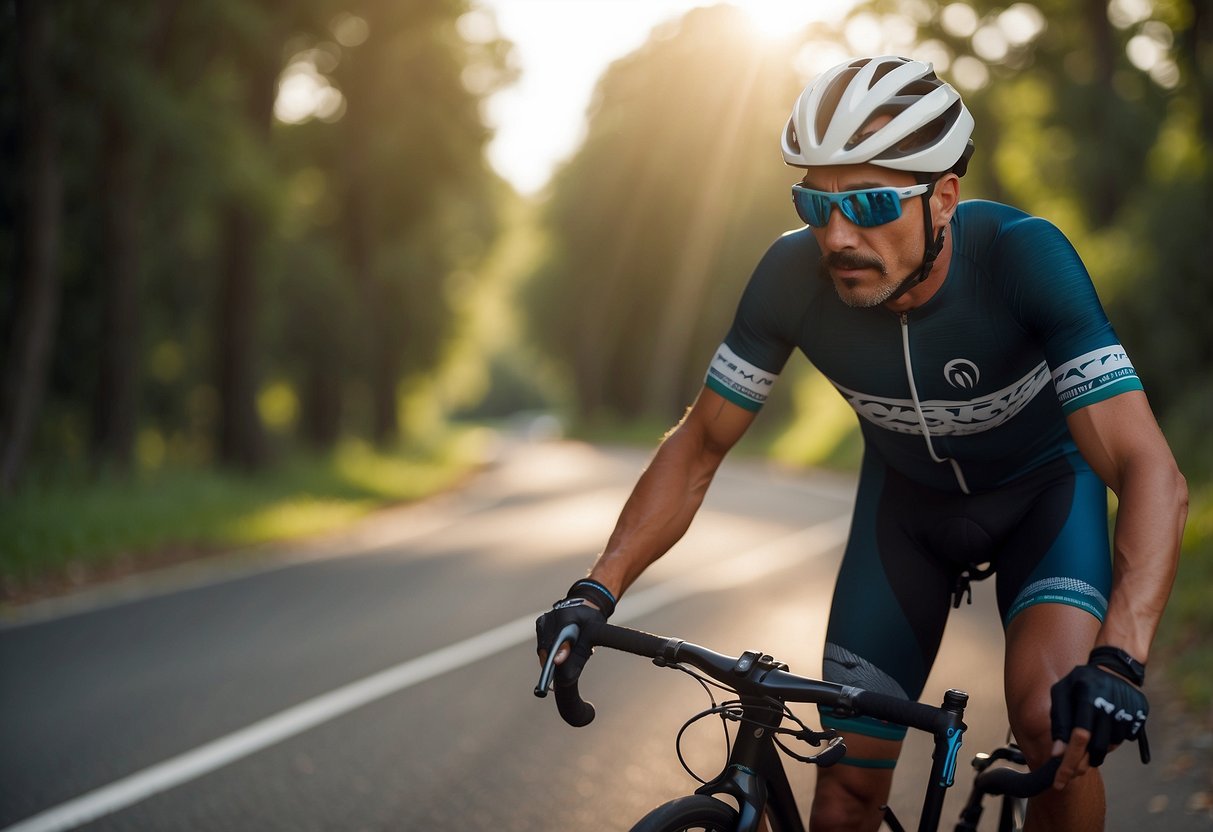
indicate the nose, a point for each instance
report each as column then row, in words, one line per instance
column 839, row 232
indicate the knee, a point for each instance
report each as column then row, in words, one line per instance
column 848, row 799
column 1031, row 723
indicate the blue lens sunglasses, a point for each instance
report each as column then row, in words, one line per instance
column 866, row 208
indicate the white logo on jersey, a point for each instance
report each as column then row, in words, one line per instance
column 962, row 373
column 950, row 418
column 740, row 376
column 1087, row 373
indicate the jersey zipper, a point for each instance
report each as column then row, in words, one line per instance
column 922, row 419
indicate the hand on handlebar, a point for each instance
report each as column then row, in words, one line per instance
column 571, row 656
column 587, row 605
column 1094, row 710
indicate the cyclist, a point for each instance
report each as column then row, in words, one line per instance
column 996, row 405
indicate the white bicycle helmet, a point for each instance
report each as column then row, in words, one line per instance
column 929, row 131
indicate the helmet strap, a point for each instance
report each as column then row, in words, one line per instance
column 931, row 251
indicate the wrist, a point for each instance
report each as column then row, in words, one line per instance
column 595, row 593
column 1120, row 662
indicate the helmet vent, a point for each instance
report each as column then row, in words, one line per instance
column 882, row 70
column 829, row 101
column 926, row 135
column 790, row 137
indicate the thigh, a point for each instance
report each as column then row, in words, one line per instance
column 1054, row 577
column 1059, row 552
column 890, row 605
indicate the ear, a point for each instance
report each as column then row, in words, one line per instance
column 945, row 198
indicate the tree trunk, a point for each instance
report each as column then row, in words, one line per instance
column 377, row 354
column 116, row 403
column 1199, row 48
column 38, row 277
column 386, row 369
column 322, row 376
column 241, row 435
column 241, row 438
column 321, row 416
column 1107, row 192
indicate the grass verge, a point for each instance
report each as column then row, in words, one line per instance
column 60, row 534
column 1185, row 638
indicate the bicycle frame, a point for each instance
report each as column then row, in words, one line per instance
column 754, row 775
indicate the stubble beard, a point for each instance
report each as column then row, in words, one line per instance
column 850, row 292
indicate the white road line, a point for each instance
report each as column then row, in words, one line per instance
column 744, row 568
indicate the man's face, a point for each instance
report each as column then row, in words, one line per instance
column 867, row 265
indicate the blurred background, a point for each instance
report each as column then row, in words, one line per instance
column 269, row 265
column 270, row 268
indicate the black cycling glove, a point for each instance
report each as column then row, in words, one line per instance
column 1109, row 705
column 574, row 609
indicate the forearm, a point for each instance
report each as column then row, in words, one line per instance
column 659, row 510
column 1149, row 528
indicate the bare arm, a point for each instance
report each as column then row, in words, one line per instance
column 670, row 491
column 1121, row 441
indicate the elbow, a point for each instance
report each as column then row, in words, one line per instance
column 1180, row 485
column 1160, row 474
column 1174, row 483
column 1171, row 497
column 1173, row 489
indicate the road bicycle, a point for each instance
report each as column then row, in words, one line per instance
column 754, row 778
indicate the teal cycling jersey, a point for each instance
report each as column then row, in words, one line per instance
column 968, row 391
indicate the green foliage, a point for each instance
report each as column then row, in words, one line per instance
column 658, row 221
column 358, row 216
column 1186, row 635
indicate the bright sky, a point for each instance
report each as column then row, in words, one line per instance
column 563, row 46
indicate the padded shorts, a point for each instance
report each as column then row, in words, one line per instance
column 1044, row 535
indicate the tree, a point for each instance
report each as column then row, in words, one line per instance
column 662, row 215
column 161, row 214
column 38, row 236
column 412, row 160
column 124, row 54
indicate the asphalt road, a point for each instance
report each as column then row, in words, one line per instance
column 381, row 679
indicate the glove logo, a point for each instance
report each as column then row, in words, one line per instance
column 1118, row 714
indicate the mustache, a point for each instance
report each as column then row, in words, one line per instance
column 852, row 260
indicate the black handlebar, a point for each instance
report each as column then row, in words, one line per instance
column 751, row 679
column 747, row 676
column 1018, row 783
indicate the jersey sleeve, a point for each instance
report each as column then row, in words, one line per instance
column 1056, row 300
column 757, row 346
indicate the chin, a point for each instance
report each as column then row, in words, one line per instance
column 858, row 298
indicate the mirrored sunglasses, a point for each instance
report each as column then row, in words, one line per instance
column 867, row 208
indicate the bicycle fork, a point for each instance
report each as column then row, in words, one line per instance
column 754, row 775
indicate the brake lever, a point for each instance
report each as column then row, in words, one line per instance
column 569, row 633
column 815, row 738
column 834, row 751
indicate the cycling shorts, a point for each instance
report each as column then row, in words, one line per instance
column 1044, row 535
